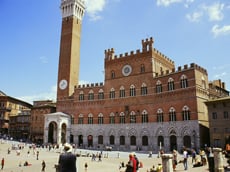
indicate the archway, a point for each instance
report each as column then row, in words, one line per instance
column 80, row 140
column 173, row 142
column 187, row 141
column 63, row 133
column 90, row 141
column 52, row 133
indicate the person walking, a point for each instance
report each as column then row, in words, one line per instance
column 67, row 160
column 43, row 165
column 137, row 162
column 37, row 154
column 185, row 156
column 174, row 159
column 2, row 163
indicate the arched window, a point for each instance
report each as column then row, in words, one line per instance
column 112, row 118
column 172, row 114
column 90, row 118
column 122, row 91
column 122, row 118
column 160, row 141
column 100, row 119
column 145, row 141
column 100, row 139
column 132, row 117
column 170, row 84
column 122, row 140
column 144, row 90
column 183, row 81
column 142, row 68
column 111, row 140
column 133, row 140
column 144, row 117
column 132, row 90
column 101, row 94
column 112, row 93
column 81, row 119
column 185, row 113
column 158, row 87
column 81, row 96
column 160, row 115
column 91, row 95
column 203, row 83
column 112, row 74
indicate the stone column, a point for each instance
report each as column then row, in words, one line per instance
column 218, row 160
column 167, row 162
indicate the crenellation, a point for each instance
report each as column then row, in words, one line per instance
column 91, row 85
column 132, row 53
column 138, row 51
column 186, row 66
column 179, row 68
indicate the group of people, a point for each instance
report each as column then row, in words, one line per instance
column 133, row 164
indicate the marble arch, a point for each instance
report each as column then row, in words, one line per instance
column 57, row 128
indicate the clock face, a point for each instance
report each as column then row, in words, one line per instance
column 63, row 84
column 126, row 70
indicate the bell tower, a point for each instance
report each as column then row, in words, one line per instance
column 69, row 57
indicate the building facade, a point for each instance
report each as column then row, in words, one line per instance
column 219, row 119
column 38, row 111
column 144, row 103
column 10, row 107
column 19, row 126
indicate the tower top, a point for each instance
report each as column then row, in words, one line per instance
column 73, row 8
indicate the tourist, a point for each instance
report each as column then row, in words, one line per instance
column 185, row 156
column 174, row 159
column 131, row 165
column 3, row 163
column 137, row 162
column 43, row 165
column 67, row 160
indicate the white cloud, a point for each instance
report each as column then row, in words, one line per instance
column 220, row 75
column 194, row 17
column 51, row 95
column 217, row 30
column 187, row 3
column 167, row 2
column 214, row 11
column 93, row 7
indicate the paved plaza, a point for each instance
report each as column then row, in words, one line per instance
column 108, row 164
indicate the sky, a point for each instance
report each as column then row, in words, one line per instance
column 186, row 31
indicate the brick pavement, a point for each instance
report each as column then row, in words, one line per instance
column 110, row 164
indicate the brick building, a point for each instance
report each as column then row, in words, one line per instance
column 39, row 109
column 219, row 120
column 19, row 125
column 144, row 103
column 10, row 107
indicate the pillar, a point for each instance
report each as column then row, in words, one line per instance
column 167, row 162
column 218, row 160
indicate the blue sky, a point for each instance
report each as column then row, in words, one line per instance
column 187, row 31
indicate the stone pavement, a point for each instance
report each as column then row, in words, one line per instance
column 110, row 164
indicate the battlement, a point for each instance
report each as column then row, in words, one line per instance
column 147, row 46
column 180, row 69
column 91, row 85
column 162, row 55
